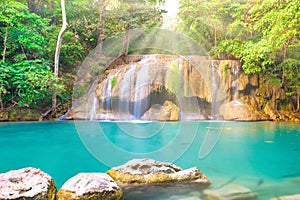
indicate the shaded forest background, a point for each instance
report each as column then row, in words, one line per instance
column 263, row 34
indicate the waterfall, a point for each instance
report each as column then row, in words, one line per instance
column 134, row 87
column 141, row 90
column 215, row 91
column 236, row 76
column 106, row 102
column 108, row 96
column 92, row 102
column 126, row 90
column 129, row 91
column 181, row 83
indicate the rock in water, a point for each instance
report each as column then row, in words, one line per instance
column 153, row 113
column 236, row 110
column 27, row 183
column 167, row 112
column 84, row 186
column 230, row 192
column 151, row 171
column 290, row 197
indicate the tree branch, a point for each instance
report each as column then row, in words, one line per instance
column 57, row 51
column 4, row 43
column 48, row 111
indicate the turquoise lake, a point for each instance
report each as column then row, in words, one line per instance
column 262, row 156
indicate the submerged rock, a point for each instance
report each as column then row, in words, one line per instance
column 151, row 171
column 90, row 186
column 114, row 116
column 230, row 192
column 193, row 116
column 27, row 183
column 290, row 197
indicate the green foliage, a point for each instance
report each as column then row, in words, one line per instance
column 79, row 90
column 291, row 75
column 25, row 77
column 263, row 34
column 83, row 17
column 130, row 16
column 224, row 68
column 71, row 52
column 113, row 81
column 30, row 29
column 206, row 21
column 258, row 33
column 28, row 82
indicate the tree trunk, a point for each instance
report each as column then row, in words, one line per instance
column 3, row 60
column 1, row 103
column 298, row 101
column 31, row 6
column 101, row 26
column 285, row 48
column 50, row 3
column 215, row 35
column 57, row 52
column 4, row 44
column 125, row 44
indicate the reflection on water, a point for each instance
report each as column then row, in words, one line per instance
column 261, row 156
column 168, row 191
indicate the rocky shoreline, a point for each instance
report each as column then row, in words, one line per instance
column 239, row 112
column 34, row 184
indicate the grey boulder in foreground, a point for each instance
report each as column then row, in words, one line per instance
column 151, row 171
column 27, row 183
column 90, row 186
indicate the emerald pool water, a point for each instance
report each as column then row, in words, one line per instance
column 262, row 156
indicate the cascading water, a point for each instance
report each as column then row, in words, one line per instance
column 106, row 102
column 126, row 90
column 92, row 102
column 142, row 86
column 215, row 91
column 236, row 76
column 132, row 89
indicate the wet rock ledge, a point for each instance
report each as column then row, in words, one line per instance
column 152, row 171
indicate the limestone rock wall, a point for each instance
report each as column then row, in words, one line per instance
column 199, row 86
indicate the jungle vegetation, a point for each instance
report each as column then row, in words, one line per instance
column 263, row 34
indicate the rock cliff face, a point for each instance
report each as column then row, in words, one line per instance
column 199, row 87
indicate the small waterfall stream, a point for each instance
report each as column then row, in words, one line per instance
column 215, row 91
column 106, row 102
column 141, row 89
column 92, row 102
column 236, row 73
